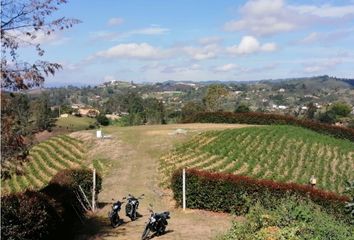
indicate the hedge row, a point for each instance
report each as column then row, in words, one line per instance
column 267, row 119
column 235, row 194
column 49, row 213
column 28, row 215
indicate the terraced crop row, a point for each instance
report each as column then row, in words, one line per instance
column 44, row 161
column 281, row 153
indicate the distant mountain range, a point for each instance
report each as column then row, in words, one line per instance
column 325, row 81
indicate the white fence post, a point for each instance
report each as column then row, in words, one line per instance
column 93, row 190
column 184, row 188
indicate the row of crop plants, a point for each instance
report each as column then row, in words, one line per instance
column 282, row 153
column 44, row 161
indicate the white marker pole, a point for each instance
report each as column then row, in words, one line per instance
column 184, row 188
column 93, row 190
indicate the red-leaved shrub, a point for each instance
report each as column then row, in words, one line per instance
column 29, row 215
column 235, row 193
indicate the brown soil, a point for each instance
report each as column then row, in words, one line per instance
column 131, row 158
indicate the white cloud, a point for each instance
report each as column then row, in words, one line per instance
column 327, row 37
column 249, row 45
column 202, row 53
column 133, row 50
column 115, row 21
column 322, row 66
column 325, row 10
column 269, row 47
column 170, row 68
column 153, row 30
column 310, row 38
column 226, row 68
column 268, row 17
column 180, row 68
column 39, row 37
column 115, row 36
column 210, row 40
column 262, row 17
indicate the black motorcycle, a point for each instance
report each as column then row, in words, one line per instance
column 132, row 206
column 157, row 223
column 113, row 215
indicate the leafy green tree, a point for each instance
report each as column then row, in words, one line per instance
column 15, row 128
column 21, row 23
column 242, row 108
column 190, row 109
column 42, row 113
column 134, row 104
column 154, row 111
column 66, row 108
column 341, row 109
column 311, row 111
column 102, row 119
column 214, row 96
column 327, row 117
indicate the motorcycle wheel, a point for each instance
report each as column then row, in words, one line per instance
column 145, row 233
column 128, row 209
column 133, row 217
column 161, row 230
column 115, row 221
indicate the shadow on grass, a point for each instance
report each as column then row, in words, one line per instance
column 98, row 227
column 103, row 204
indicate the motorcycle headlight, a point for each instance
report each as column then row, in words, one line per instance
column 115, row 207
column 152, row 219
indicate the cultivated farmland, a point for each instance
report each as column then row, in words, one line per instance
column 45, row 160
column 281, row 153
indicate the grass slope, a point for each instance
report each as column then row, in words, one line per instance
column 281, row 153
column 74, row 123
column 45, row 160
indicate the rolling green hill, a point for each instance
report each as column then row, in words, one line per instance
column 44, row 161
column 281, row 153
column 73, row 123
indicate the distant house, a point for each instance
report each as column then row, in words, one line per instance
column 282, row 107
column 281, row 90
column 340, row 124
column 65, row 115
column 124, row 113
column 89, row 112
column 112, row 116
column 77, row 106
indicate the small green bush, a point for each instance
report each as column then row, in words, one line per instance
column 29, row 215
column 291, row 218
column 103, row 120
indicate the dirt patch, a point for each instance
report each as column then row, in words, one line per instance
column 133, row 156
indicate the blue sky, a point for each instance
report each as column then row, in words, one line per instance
column 201, row 40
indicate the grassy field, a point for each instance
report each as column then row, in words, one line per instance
column 73, row 123
column 281, row 153
column 45, row 160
